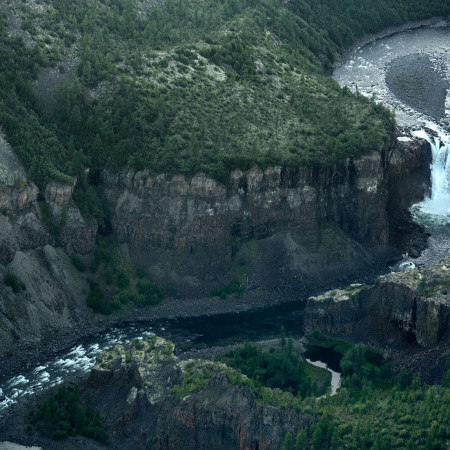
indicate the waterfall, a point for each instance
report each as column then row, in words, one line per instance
column 435, row 210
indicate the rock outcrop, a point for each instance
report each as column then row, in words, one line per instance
column 288, row 227
column 135, row 391
column 408, row 183
column 416, row 302
column 52, row 302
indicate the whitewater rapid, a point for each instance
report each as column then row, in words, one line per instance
column 77, row 361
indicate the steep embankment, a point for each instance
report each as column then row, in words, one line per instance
column 399, row 311
column 144, row 403
column 42, row 296
column 280, row 229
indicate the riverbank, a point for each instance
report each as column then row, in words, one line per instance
column 171, row 308
column 345, row 53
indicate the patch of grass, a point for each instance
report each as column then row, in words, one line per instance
column 234, row 288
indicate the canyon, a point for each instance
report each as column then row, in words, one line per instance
column 315, row 226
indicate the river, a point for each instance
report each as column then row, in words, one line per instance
column 188, row 334
column 366, row 70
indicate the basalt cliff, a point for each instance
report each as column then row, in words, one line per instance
column 140, row 392
column 280, row 230
column 416, row 302
column 408, row 310
column 283, row 228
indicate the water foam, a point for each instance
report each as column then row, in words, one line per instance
column 435, row 210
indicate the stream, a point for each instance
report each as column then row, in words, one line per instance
column 372, row 69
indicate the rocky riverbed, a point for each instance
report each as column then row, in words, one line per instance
column 407, row 71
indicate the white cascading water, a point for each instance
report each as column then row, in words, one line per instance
column 435, row 210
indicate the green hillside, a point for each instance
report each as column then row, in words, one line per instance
column 182, row 87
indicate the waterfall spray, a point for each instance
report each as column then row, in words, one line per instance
column 436, row 208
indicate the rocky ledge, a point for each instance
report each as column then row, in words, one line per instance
column 282, row 228
column 416, row 302
column 151, row 399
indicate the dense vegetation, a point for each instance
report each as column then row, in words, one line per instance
column 274, row 369
column 375, row 410
column 372, row 409
column 112, row 281
column 186, row 86
column 261, row 371
column 64, row 415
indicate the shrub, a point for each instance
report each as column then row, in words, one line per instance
column 234, row 288
column 96, row 299
column 122, row 280
column 14, row 282
column 148, row 293
column 78, row 263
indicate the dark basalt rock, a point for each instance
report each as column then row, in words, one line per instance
column 291, row 226
column 415, row 301
column 132, row 388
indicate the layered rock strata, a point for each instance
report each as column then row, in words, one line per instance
column 135, row 391
column 284, row 227
column 416, row 302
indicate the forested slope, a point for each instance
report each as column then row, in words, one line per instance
column 183, row 87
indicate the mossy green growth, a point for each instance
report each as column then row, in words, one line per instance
column 145, row 353
column 351, row 292
column 195, row 374
column 430, row 282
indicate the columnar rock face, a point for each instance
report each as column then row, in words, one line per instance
column 408, row 183
column 283, row 229
column 288, row 226
column 416, row 301
column 334, row 312
column 22, row 227
column 59, row 194
column 133, row 389
column 194, row 229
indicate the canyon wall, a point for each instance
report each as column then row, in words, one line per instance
column 283, row 228
column 51, row 300
column 133, row 388
column 416, row 303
